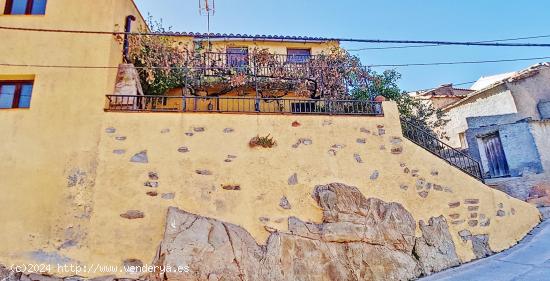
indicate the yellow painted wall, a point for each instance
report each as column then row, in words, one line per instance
column 39, row 144
column 113, row 184
column 64, row 188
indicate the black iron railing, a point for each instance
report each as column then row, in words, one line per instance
column 431, row 143
column 241, row 105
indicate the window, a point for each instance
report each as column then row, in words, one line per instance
column 15, row 94
column 298, row 55
column 25, row 7
column 237, row 57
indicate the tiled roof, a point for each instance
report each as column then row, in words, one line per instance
column 446, row 91
column 253, row 37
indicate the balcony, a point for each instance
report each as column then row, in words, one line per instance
column 137, row 103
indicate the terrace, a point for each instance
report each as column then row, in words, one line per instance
column 242, row 82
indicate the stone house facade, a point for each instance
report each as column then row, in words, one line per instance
column 504, row 125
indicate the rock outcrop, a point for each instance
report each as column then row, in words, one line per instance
column 358, row 239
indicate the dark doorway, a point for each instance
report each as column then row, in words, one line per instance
column 496, row 159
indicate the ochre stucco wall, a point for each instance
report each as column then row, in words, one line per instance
column 64, row 188
column 96, row 188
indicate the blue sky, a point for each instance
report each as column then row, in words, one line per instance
column 450, row 20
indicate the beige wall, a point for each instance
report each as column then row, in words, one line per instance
column 81, row 194
column 530, row 91
column 541, row 133
column 494, row 102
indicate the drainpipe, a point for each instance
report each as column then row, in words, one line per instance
column 127, row 29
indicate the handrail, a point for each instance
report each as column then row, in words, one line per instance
column 431, row 143
column 139, row 103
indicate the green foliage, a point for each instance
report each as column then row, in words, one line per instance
column 421, row 112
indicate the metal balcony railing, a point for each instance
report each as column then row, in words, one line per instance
column 136, row 103
column 432, row 144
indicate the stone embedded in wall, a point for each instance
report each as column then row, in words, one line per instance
column 406, row 170
column 455, row 204
column 231, row 187
column 110, row 130
column 471, row 201
column 119, row 151
column 151, row 184
column 140, row 157
column 203, row 172
column 293, row 180
column 357, row 158
column 199, row 129
column 382, row 147
column 153, row 176
column 132, row 214
column 230, row 158
column 438, row 187
column 501, row 213
column 472, row 223
column 228, row 130
column 332, row 152
column 263, row 219
column 284, row 203
column 168, row 196
column 434, row 172
column 375, row 175
column 447, row 189
column 396, row 140
column 303, row 141
column 381, row 130
column 480, row 246
column 361, row 141
column 465, row 235
column 423, row 194
column 152, row 193
column 165, row 131
column 339, row 248
column 397, row 150
column 120, row 138
column 404, row 187
column 189, row 134
column 435, row 249
column 296, row 124
column 183, row 149
column 484, row 221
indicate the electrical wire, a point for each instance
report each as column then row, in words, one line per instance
column 456, row 62
column 231, row 36
column 437, row 45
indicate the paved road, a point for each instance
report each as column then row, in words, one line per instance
column 528, row 261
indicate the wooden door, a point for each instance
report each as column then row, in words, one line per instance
column 498, row 166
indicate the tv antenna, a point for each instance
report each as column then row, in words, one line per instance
column 207, row 8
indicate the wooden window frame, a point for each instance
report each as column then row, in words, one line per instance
column 301, row 61
column 17, row 93
column 28, row 9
